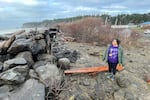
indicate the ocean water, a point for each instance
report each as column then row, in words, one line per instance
column 12, row 30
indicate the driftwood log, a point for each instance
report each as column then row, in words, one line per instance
column 4, row 45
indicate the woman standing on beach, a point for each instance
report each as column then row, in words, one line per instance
column 113, row 56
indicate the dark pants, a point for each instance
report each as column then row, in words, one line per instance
column 112, row 67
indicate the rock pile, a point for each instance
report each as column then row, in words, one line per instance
column 26, row 67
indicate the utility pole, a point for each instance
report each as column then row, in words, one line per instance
column 116, row 21
column 106, row 19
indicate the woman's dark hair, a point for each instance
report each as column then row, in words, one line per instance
column 117, row 40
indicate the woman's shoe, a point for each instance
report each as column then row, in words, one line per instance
column 113, row 77
column 109, row 75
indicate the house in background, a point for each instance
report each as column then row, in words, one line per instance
column 145, row 25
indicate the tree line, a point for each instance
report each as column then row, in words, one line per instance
column 121, row 19
column 125, row 19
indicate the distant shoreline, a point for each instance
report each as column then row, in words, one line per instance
column 12, row 30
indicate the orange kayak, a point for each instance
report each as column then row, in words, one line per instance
column 90, row 69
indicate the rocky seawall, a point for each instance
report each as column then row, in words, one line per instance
column 27, row 69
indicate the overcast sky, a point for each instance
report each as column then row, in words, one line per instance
column 13, row 13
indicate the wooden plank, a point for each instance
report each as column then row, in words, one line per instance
column 148, row 81
column 90, row 69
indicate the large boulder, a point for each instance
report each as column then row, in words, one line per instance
column 27, row 56
column 15, row 75
column 48, row 74
column 30, row 90
column 35, row 46
column 14, row 62
column 19, row 45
